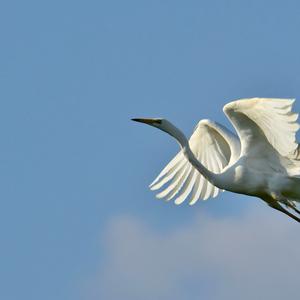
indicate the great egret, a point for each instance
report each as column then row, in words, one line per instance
column 263, row 160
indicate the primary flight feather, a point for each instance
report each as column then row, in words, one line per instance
column 262, row 160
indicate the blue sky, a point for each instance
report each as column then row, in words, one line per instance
column 77, row 220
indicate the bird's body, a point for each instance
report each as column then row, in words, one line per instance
column 262, row 160
column 248, row 176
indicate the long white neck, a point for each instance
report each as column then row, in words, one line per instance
column 184, row 144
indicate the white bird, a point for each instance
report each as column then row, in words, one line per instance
column 263, row 160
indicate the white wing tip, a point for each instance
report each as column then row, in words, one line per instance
column 152, row 187
column 155, row 182
column 178, row 202
column 161, row 195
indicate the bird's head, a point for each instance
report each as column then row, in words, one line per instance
column 163, row 125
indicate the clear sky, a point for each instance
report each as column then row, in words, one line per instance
column 77, row 221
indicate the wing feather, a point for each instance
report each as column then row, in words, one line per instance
column 209, row 187
column 168, row 172
column 262, row 121
column 175, row 181
column 196, row 191
column 203, row 186
column 187, row 187
column 176, row 188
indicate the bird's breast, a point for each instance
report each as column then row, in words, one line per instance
column 240, row 179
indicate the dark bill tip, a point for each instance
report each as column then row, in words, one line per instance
column 145, row 120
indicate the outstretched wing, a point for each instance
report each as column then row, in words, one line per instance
column 261, row 122
column 209, row 143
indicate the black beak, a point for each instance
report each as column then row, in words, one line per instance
column 146, row 121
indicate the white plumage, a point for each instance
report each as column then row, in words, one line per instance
column 261, row 160
column 209, row 147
